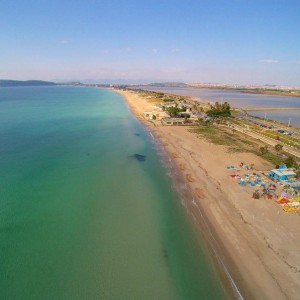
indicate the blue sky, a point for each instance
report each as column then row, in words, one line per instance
column 232, row 41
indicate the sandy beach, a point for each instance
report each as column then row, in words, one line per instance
column 257, row 242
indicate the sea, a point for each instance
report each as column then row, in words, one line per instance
column 243, row 100
column 88, row 209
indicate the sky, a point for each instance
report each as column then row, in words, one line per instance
column 230, row 41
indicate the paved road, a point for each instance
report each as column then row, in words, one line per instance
column 266, row 140
column 275, row 126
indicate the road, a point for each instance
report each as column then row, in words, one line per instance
column 266, row 140
column 245, row 117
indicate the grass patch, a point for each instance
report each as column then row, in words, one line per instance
column 269, row 156
column 224, row 136
column 235, row 142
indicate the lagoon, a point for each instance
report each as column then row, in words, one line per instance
column 241, row 100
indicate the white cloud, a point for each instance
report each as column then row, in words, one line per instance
column 154, row 50
column 176, row 50
column 268, row 61
column 64, row 41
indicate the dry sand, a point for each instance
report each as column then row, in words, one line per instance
column 255, row 239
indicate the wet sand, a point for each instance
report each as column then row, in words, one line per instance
column 253, row 241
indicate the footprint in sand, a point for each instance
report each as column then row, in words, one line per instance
column 174, row 155
column 199, row 193
column 190, row 178
column 182, row 167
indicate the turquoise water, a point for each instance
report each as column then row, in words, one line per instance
column 81, row 215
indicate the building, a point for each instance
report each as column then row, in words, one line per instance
column 155, row 115
column 173, row 121
column 158, row 107
column 282, row 174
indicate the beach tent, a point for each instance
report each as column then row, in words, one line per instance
column 282, row 166
column 282, row 200
column 295, row 185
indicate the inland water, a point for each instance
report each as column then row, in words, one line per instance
column 87, row 210
column 243, row 100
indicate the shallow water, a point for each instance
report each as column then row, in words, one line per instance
column 87, row 210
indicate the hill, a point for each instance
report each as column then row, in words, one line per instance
column 168, row 84
column 12, row 83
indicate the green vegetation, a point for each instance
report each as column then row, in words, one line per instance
column 290, row 162
column 159, row 95
column 168, row 100
column 278, row 148
column 8, row 83
column 173, row 111
column 272, row 134
column 219, row 110
column 286, row 139
column 224, row 136
column 263, row 150
column 295, row 93
column 269, row 156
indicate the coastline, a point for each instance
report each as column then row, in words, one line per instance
column 246, row 236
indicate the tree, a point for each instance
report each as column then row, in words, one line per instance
column 173, row 111
column 278, row 148
column 263, row 150
column 290, row 161
column 219, row 110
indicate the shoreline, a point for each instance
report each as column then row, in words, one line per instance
column 203, row 227
column 270, row 108
column 242, row 246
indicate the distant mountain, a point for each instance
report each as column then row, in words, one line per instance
column 12, row 83
column 73, row 83
column 169, row 84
